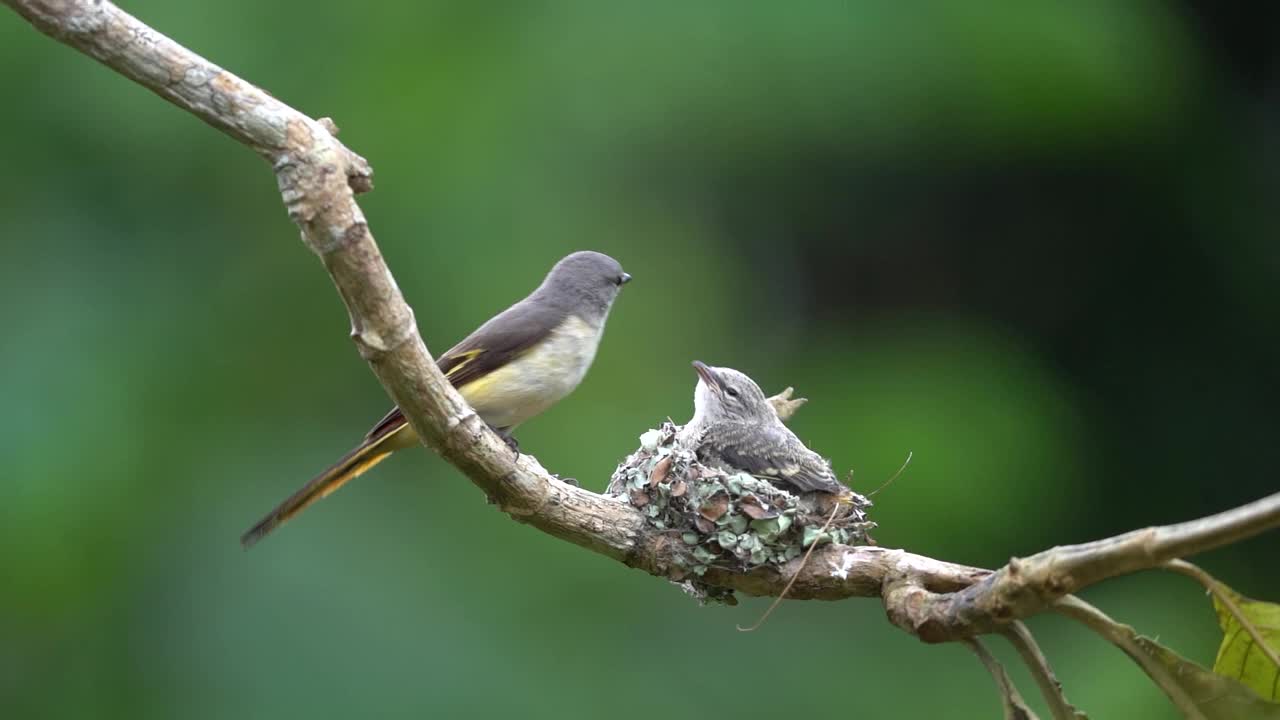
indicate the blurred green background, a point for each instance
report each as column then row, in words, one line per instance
column 1032, row 243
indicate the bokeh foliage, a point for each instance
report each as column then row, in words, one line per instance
column 1032, row 243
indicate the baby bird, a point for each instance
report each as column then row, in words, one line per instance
column 735, row 428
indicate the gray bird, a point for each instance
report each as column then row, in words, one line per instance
column 734, row 427
column 519, row 363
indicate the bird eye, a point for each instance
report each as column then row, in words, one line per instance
column 731, row 391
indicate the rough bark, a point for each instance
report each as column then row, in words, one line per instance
column 319, row 178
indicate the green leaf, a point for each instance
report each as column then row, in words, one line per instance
column 812, row 535
column 749, row 542
column 1216, row 696
column 768, row 529
column 636, row 479
column 1238, row 656
column 784, row 522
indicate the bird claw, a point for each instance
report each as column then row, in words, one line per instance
column 509, row 440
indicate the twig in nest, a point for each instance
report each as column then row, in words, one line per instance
column 893, row 477
column 809, row 553
column 803, row 561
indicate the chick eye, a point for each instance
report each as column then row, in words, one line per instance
column 731, row 392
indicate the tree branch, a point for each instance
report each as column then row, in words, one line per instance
column 1124, row 637
column 318, row 178
column 1028, row 586
column 1020, row 637
column 1015, row 708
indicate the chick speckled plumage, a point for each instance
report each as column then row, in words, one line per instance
column 735, row 428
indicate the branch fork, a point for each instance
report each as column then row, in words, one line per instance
column 319, row 177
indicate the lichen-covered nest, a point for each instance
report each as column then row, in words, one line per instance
column 728, row 519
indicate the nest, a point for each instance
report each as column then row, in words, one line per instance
column 729, row 520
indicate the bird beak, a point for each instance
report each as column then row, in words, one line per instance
column 707, row 375
column 624, row 278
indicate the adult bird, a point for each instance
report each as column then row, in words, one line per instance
column 515, row 366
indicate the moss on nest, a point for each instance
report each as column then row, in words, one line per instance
column 728, row 519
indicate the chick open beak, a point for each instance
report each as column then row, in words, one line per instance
column 708, row 376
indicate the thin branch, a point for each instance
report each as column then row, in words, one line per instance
column 1215, row 587
column 1015, row 708
column 1022, row 640
column 1124, row 637
column 318, row 178
column 1027, row 586
column 317, row 175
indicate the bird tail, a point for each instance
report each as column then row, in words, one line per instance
column 364, row 456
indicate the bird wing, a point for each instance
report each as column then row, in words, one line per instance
column 502, row 339
column 777, row 455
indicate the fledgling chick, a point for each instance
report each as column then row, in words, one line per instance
column 735, row 428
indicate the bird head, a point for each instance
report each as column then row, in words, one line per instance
column 726, row 394
column 586, row 280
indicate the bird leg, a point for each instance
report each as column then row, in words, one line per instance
column 508, row 438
